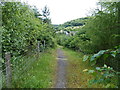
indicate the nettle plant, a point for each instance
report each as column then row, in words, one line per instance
column 105, row 74
column 104, row 54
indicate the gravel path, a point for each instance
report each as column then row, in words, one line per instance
column 61, row 70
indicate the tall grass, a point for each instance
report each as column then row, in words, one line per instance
column 41, row 72
column 76, row 78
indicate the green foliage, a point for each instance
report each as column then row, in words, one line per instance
column 97, row 40
column 21, row 29
column 100, row 32
column 105, row 76
column 73, row 25
column 33, row 71
column 104, row 57
column 76, row 42
column 76, row 22
column 85, row 58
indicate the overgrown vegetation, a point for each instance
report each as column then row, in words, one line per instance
column 76, row 77
column 101, row 35
column 21, row 29
column 96, row 38
column 39, row 74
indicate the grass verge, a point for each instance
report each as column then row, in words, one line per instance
column 41, row 72
column 76, row 78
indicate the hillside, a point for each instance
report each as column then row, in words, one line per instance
column 72, row 25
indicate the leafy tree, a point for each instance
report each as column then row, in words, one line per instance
column 21, row 29
column 101, row 30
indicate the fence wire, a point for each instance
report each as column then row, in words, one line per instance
column 18, row 68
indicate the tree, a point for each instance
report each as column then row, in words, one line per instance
column 45, row 14
column 21, row 29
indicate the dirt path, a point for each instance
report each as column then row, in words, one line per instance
column 61, row 70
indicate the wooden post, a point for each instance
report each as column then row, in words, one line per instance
column 38, row 47
column 0, row 74
column 44, row 46
column 8, row 70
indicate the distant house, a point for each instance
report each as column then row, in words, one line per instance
column 66, row 33
column 61, row 31
column 70, row 33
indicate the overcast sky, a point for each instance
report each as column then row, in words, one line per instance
column 65, row 10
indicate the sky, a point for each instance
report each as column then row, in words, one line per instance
column 65, row 10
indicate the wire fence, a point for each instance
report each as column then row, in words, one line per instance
column 14, row 68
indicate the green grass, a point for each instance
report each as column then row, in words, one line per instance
column 76, row 78
column 41, row 72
